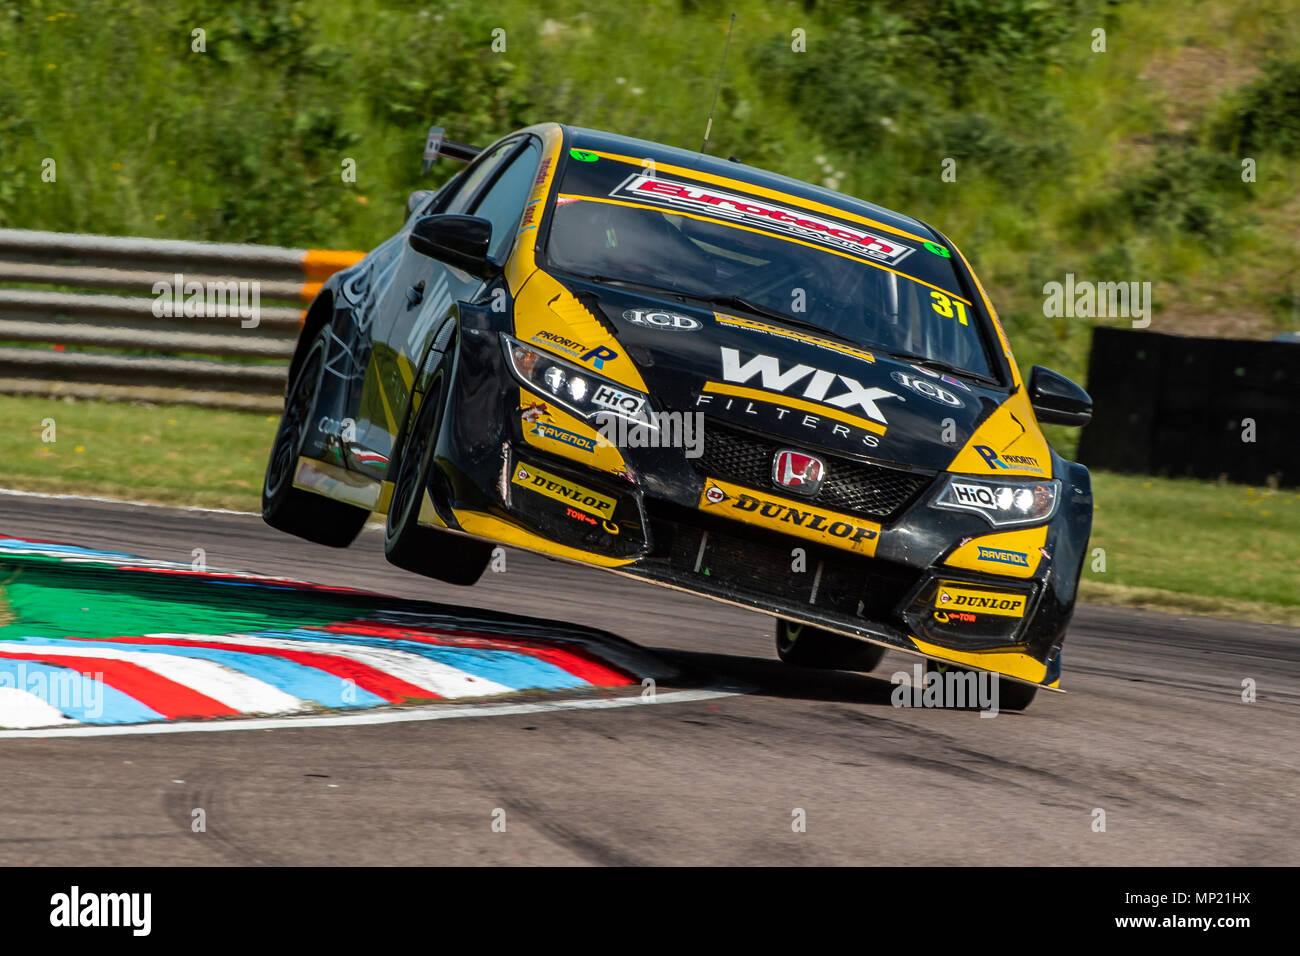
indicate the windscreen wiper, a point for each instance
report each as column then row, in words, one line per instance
column 938, row 365
column 611, row 280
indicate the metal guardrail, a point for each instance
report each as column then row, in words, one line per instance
column 120, row 335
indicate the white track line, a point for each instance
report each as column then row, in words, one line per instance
column 20, row 708
column 442, row 679
column 431, row 712
column 17, row 493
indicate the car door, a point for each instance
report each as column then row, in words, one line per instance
column 422, row 292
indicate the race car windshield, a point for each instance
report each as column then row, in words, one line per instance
column 877, row 296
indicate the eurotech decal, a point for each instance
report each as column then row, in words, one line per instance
column 762, row 213
column 796, row 518
column 953, row 597
column 569, row 493
column 792, row 335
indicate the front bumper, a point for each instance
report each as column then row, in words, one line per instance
column 921, row 587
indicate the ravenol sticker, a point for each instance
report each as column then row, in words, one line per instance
column 953, row 597
column 568, row 492
column 572, row 439
column 760, row 212
column 1004, row 557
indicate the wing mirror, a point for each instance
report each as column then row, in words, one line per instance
column 460, row 241
column 1056, row 399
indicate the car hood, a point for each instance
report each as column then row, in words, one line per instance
column 789, row 383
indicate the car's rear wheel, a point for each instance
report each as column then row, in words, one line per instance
column 808, row 646
column 428, row 551
column 284, row 507
column 1012, row 694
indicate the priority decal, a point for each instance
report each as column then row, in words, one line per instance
column 753, row 211
column 1007, row 461
column 597, row 355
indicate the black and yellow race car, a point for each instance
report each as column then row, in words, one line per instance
column 701, row 374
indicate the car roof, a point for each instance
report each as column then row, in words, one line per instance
column 599, row 141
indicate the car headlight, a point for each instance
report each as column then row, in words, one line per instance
column 1001, row 503
column 575, row 388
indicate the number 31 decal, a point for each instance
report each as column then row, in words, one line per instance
column 944, row 306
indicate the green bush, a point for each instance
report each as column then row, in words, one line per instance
column 1267, row 113
column 1188, row 190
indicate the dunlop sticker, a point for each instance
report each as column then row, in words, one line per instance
column 790, row 517
column 571, row 493
column 955, row 597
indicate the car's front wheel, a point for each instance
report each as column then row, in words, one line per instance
column 1012, row 694
column 291, row 509
column 809, row 646
column 428, row 551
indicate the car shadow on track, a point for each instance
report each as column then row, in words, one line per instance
column 776, row 679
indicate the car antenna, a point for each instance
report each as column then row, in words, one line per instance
column 708, row 127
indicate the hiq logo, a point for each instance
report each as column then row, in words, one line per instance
column 599, row 356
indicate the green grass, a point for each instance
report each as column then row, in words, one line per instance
column 1236, row 542
column 1195, row 546
column 1116, row 166
column 167, row 453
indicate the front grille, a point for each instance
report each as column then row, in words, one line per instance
column 853, row 486
column 759, row 566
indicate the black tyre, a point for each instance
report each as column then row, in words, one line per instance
column 1012, row 694
column 809, row 646
column 435, row 554
column 291, row 509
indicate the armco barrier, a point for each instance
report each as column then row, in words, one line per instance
column 1179, row 406
column 106, row 340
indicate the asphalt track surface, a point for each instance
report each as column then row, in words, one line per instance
column 1153, row 732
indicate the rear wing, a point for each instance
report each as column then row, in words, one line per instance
column 436, row 144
